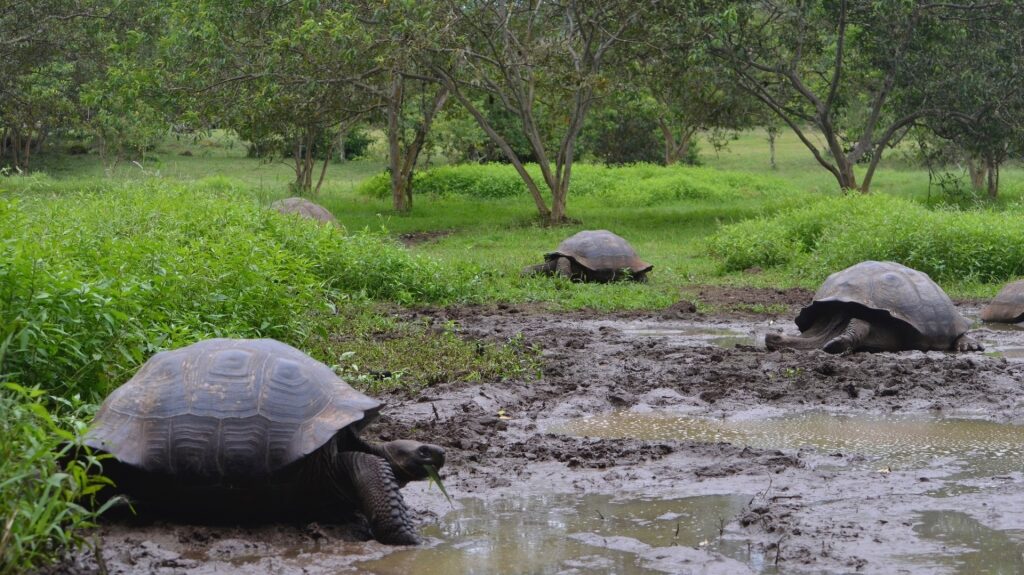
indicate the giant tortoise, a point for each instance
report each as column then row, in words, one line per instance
column 1007, row 306
column 878, row 306
column 304, row 208
column 595, row 256
column 224, row 428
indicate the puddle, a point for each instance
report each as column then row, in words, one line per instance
column 995, row 326
column 1011, row 353
column 570, row 534
column 987, row 550
column 979, row 448
column 695, row 335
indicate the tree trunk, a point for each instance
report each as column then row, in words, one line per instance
column 558, row 200
column 398, row 191
column 16, row 148
column 993, row 179
column 977, row 170
column 772, row 135
column 28, row 152
column 670, row 142
column 675, row 150
column 304, row 164
column 531, row 185
column 846, row 177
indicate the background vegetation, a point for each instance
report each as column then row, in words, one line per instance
column 731, row 142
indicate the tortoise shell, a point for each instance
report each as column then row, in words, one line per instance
column 870, row 289
column 227, row 409
column 1007, row 306
column 600, row 250
column 304, row 208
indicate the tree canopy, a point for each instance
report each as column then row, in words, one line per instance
column 514, row 81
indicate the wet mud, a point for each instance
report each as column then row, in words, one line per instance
column 673, row 442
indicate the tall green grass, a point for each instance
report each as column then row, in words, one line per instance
column 639, row 185
column 951, row 245
column 43, row 489
column 93, row 282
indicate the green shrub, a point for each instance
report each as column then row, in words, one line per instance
column 92, row 283
column 635, row 185
column 834, row 233
column 41, row 498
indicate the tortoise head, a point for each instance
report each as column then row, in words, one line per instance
column 409, row 459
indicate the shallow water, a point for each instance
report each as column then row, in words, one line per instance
column 694, row 335
column 569, row 534
column 985, row 550
column 979, row 448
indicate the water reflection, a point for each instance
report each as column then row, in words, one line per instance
column 548, row 534
column 981, row 448
column 990, row 551
column 695, row 335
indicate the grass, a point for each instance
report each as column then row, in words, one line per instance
column 102, row 266
column 42, row 490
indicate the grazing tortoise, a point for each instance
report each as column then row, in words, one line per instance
column 305, row 209
column 1007, row 306
column 227, row 429
column 595, row 256
column 878, row 306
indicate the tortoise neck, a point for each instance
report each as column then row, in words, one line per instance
column 371, row 447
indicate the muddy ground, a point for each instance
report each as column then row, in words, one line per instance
column 808, row 511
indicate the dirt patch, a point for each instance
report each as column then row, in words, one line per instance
column 411, row 239
column 810, row 511
column 751, row 300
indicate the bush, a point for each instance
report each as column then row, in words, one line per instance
column 40, row 497
column 94, row 282
column 636, row 185
column 834, row 233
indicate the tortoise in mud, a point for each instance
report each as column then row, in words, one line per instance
column 1007, row 306
column 878, row 306
column 304, row 208
column 593, row 256
column 231, row 429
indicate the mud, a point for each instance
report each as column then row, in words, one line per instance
column 410, row 239
column 802, row 509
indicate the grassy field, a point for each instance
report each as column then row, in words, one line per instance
column 101, row 266
column 500, row 236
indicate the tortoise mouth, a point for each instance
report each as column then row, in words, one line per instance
column 416, row 465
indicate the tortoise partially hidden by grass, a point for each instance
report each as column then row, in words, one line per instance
column 878, row 306
column 1007, row 306
column 305, row 209
column 230, row 429
column 593, row 256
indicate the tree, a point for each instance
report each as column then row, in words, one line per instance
column 623, row 129
column 835, row 66
column 542, row 61
column 46, row 55
column 692, row 91
column 281, row 74
column 977, row 95
column 413, row 99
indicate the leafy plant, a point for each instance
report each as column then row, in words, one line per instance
column 831, row 234
column 46, row 477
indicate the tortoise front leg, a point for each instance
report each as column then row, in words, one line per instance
column 966, row 343
column 853, row 337
column 378, row 493
column 563, row 267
